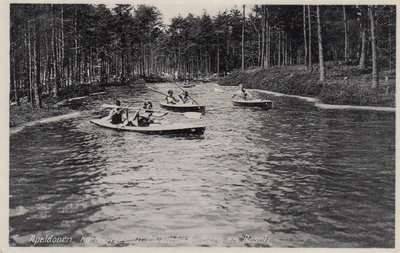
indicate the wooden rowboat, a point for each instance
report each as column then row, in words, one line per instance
column 154, row 128
column 183, row 107
column 267, row 104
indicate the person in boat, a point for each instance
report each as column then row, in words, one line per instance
column 170, row 98
column 147, row 105
column 184, row 96
column 116, row 115
column 242, row 93
column 142, row 119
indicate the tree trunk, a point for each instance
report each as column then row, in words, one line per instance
column 305, row 36
column 30, row 67
column 142, row 60
column 217, row 56
column 148, row 58
column 37, row 86
column 263, row 37
column 279, row 47
column 334, row 54
column 363, row 28
column 268, row 45
column 122, row 71
column 244, row 19
column 285, row 51
column 390, row 51
column 375, row 80
column 320, row 49
column 16, row 81
column 346, row 36
column 62, row 47
column 75, row 69
column 309, row 40
column 289, row 51
column 55, row 57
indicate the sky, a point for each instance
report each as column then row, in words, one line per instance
column 172, row 8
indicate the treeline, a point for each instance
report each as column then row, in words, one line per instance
column 56, row 45
column 53, row 46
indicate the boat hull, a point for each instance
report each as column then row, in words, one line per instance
column 266, row 104
column 183, row 107
column 155, row 128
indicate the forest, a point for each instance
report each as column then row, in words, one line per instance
column 55, row 46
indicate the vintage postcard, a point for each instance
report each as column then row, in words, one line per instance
column 208, row 124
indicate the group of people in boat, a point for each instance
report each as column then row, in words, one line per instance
column 142, row 117
column 184, row 98
column 119, row 115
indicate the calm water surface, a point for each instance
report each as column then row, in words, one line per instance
column 292, row 176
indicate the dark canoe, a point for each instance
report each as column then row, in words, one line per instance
column 154, row 128
column 267, row 104
column 183, row 107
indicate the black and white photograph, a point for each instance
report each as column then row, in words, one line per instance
column 205, row 124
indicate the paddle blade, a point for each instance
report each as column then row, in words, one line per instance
column 108, row 106
column 159, row 114
column 192, row 115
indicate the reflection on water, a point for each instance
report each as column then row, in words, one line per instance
column 293, row 176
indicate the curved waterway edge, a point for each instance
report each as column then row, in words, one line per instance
column 328, row 106
column 317, row 102
column 17, row 129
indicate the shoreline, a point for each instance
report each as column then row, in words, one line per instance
column 343, row 85
column 16, row 129
column 317, row 102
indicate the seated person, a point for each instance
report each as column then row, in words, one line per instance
column 147, row 105
column 170, row 98
column 115, row 116
column 184, row 96
column 142, row 119
column 242, row 93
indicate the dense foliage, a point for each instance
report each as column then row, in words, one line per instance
column 58, row 45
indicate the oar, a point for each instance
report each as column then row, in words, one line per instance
column 158, row 91
column 137, row 112
column 118, row 107
column 184, row 91
column 154, row 111
column 175, row 99
column 159, row 114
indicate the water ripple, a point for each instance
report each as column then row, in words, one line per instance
column 297, row 175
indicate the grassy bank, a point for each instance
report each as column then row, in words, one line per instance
column 343, row 84
column 69, row 99
column 51, row 106
column 25, row 113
